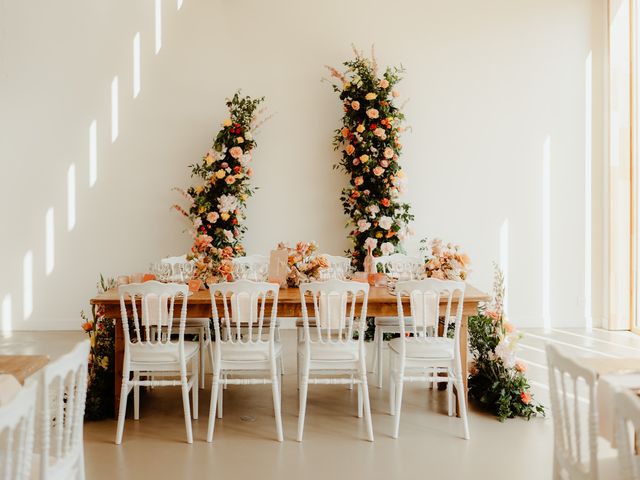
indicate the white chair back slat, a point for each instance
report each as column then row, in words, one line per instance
column 243, row 307
column 627, row 407
column 17, row 434
column 425, row 300
column 157, row 302
column 573, row 453
column 62, row 404
column 334, row 310
column 339, row 266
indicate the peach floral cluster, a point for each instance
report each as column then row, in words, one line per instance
column 444, row 261
column 304, row 264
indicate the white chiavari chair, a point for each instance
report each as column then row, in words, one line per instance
column 413, row 358
column 572, row 388
column 328, row 347
column 61, row 415
column 339, row 267
column 627, row 406
column 198, row 326
column 17, row 434
column 245, row 342
column 405, row 267
column 151, row 350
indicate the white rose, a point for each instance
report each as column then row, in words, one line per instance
column 385, row 222
column 387, row 248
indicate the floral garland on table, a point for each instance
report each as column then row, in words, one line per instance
column 303, row 265
column 101, row 333
column 217, row 205
column 370, row 146
column 444, row 261
column 498, row 381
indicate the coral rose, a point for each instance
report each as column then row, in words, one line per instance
column 355, row 105
column 230, row 180
column 372, row 113
column 385, row 202
column 525, row 397
column 235, row 152
column 358, row 181
column 384, row 163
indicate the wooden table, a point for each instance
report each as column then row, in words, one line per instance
column 381, row 304
column 22, row 366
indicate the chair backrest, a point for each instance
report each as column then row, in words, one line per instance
column 399, row 263
column 627, row 405
column 334, row 310
column 251, row 267
column 338, row 266
column 61, row 415
column 152, row 313
column 430, row 300
column 568, row 380
column 240, row 308
column 17, row 434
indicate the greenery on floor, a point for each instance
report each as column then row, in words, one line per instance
column 498, row 382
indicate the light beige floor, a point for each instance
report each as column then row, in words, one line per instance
column 334, row 446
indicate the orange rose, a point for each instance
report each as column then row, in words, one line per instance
column 87, row 326
column 350, row 149
column 345, row 132
column 525, row 397
column 385, row 202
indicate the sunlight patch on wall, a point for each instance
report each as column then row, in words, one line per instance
column 114, row 109
column 6, row 314
column 93, row 153
column 588, row 95
column 50, row 259
column 180, row 4
column 158, row 24
column 27, row 285
column 504, row 262
column 71, row 197
column 136, row 65
column 546, row 233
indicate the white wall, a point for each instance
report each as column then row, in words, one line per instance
column 487, row 82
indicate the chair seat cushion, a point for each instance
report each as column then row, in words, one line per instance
column 392, row 321
column 196, row 322
column 335, row 351
column 248, row 352
column 166, row 353
column 421, row 347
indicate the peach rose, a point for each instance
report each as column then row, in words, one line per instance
column 230, row 180
column 249, row 172
column 355, row 105
column 384, row 83
column 350, row 149
column 388, row 153
column 372, row 113
column 379, row 132
column 212, row 217
column 520, row 366
column 525, row 397
column 364, row 158
column 384, row 163
column 395, row 94
column 356, row 161
column 508, row 327
column 358, row 181
column 235, row 152
column 378, row 171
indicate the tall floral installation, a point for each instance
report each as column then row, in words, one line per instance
column 369, row 143
column 498, row 381
column 216, row 206
column 101, row 332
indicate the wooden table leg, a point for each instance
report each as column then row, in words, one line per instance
column 119, row 362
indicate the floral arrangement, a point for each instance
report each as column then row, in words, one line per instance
column 444, row 261
column 216, row 206
column 303, row 265
column 101, row 333
column 498, row 381
column 369, row 143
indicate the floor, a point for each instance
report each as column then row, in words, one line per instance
column 334, row 444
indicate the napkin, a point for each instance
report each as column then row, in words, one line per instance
column 425, row 308
column 154, row 311
column 331, row 315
